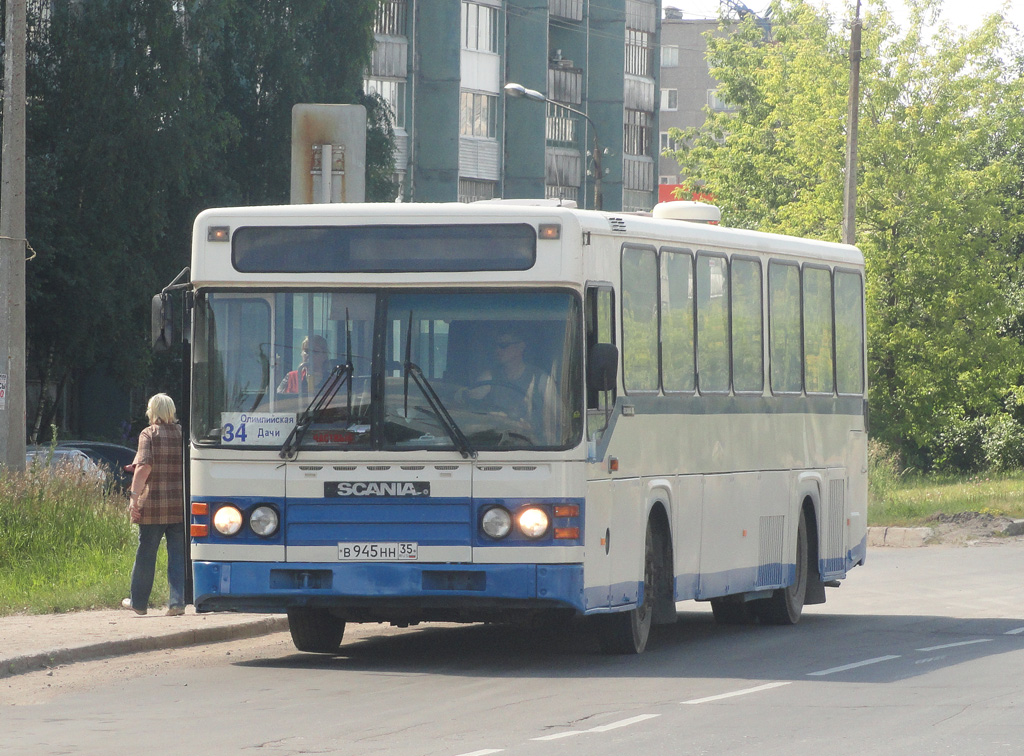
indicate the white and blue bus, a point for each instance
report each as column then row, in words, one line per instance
column 509, row 411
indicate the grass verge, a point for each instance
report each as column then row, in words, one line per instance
column 65, row 543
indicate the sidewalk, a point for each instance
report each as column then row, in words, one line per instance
column 32, row 642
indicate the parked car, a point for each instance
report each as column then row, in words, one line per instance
column 64, row 458
column 111, row 457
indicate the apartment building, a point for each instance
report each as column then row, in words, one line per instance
column 443, row 66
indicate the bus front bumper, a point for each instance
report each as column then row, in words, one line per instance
column 383, row 592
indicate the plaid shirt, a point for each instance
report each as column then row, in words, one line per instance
column 161, row 501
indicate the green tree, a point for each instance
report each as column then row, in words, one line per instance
column 141, row 114
column 934, row 215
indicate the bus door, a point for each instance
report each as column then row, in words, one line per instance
column 397, row 513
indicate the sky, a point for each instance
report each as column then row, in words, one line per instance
column 966, row 13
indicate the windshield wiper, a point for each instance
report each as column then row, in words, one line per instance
column 339, row 374
column 450, row 426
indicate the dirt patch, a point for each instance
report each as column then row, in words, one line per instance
column 969, row 528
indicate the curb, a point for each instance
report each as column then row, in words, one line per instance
column 34, row 662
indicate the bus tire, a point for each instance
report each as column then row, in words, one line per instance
column 785, row 605
column 627, row 632
column 315, row 631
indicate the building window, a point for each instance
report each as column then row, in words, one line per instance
column 479, row 27
column 637, row 133
column 667, row 180
column 472, row 190
column 478, row 116
column 717, row 104
column 639, row 46
column 669, row 56
column 670, row 99
column 393, row 93
column 666, row 142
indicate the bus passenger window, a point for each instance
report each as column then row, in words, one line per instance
column 784, row 328
column 817, row 298
column 677, row 371
column 639, row 319
column 747, row 332
column 712, row 323
column 849, row 333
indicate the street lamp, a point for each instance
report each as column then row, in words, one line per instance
column 519, row 91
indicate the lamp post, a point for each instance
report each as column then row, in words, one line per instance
column 519, row 91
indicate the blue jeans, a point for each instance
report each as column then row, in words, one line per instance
column 145, row 563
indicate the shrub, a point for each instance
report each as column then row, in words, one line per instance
column 1003, row 442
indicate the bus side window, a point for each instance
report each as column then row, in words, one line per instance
column 600, row 321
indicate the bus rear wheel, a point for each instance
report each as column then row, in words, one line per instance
column 785, row 605
column 627, row 632
column 315, row 631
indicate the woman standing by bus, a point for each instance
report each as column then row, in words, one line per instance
column 156, row 507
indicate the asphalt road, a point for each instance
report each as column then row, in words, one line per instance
column 919, row 652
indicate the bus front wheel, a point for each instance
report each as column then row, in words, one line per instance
column 316, row 631
column 627, row 632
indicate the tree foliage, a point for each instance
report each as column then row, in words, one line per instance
column 143, row 112
column 938, row 211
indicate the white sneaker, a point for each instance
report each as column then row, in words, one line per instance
column 127, row 604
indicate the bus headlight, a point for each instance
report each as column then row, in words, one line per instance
column 263, row 521
column 496, row 522
column 228, row 520
column 534, row 522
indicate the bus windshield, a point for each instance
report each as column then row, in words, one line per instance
column 503, row 369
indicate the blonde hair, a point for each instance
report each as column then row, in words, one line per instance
column 316, row 341
column 161, row 409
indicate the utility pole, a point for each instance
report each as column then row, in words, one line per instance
column 850, row 188
column 13, row 245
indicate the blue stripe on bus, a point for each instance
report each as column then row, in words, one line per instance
column 427, row 521
column 275, row 587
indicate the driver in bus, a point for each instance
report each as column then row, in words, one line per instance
column 313, row 371
column 515, row 387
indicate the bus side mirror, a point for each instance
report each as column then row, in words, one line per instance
column 604, row 362
column 161, row 327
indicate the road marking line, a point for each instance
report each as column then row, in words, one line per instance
column 745, row 691
column 559, row 735
column 623, row 723
column 954, row 645
column 1018, row 631
column 845, row 667
column 484, row 752
column 600, row 728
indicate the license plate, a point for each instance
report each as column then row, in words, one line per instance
column 370, row 551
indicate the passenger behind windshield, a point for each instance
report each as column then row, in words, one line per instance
column 314, row 370
column 514, row 386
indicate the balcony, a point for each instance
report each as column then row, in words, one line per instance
column 568, row 9
column 565, row 83
column 390, row 19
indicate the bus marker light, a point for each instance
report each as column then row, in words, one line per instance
column 549, row 231
column 567, row 510
column 199, row 531
column 218, row 233
column 569, row 533
column 613, row 464
column 200, row 508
